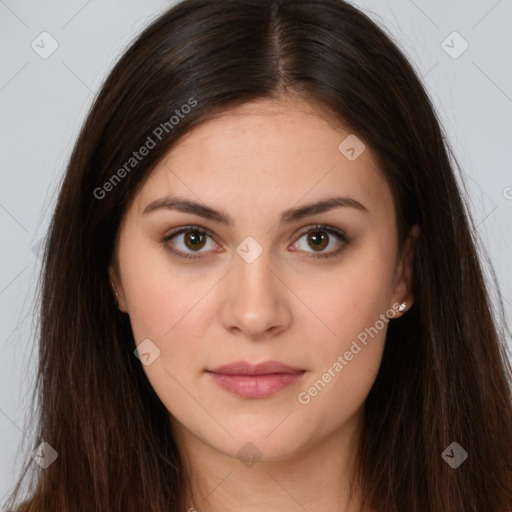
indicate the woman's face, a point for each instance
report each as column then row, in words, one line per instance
column 254, row 279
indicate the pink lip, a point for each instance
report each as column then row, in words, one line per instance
column 255, row 381
column 246, row 368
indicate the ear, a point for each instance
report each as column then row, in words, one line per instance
column 402, row 287
column 117, row 289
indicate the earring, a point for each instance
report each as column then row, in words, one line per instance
column 402, row 307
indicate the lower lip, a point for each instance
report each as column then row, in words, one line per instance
column 255, row 386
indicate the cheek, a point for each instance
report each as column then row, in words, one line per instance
column 350, row 300
column 348, row 359
column 169, row 304
column 159, row 293
column 166, row 307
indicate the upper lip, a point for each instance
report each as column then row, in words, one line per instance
column 247, row 368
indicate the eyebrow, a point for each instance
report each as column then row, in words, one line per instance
column 288, row 216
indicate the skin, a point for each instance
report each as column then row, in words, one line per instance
column 253, row 163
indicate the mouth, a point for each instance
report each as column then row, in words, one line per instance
column 255, row 381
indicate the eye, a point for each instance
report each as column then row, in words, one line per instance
column 189, row 238
column 193, row 239
column 320, row 237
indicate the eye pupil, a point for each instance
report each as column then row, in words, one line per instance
column 195, row 238
column 319, row 239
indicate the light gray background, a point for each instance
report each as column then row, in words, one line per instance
column 43, row 103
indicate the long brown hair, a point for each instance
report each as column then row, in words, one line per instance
column 445, row 373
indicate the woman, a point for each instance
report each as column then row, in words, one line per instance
column 300, row 318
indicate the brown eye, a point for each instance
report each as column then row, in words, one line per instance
column 194, row 240
column 320, row 237
column 318, row 240
column 189, row 240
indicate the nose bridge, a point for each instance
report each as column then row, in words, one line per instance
column 255, row 302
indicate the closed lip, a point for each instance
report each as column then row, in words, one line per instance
column 247, row 368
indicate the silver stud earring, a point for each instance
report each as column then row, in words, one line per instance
column 402, row 307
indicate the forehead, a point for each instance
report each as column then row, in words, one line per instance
column 269, row 153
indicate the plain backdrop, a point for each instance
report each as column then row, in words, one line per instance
column 44, row 99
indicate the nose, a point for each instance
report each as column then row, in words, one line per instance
column 256, row 303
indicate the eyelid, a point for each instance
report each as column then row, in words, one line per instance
column 308, row 229
column 184, row 229
column 180, row 231
column 338, row 233
column 323, row 227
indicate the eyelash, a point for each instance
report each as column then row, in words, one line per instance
column 317, row 227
